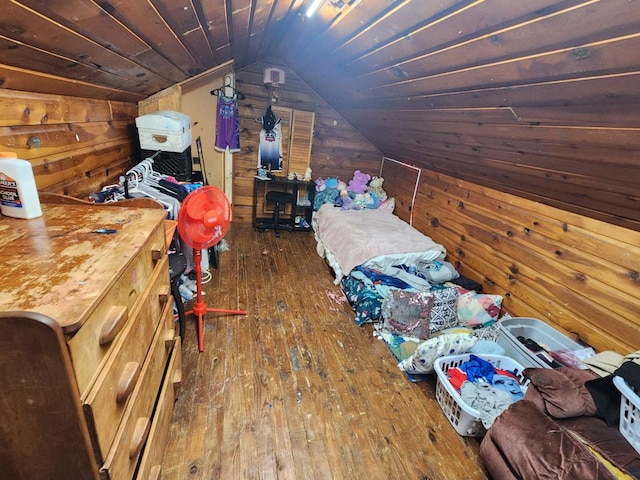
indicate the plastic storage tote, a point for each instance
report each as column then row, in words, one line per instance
column 509, row 329
column 164, row 130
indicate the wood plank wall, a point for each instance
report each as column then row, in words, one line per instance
column 535, row 98
column 403, row 179
column 337, row 150
column 76, row 145
column 576, row 273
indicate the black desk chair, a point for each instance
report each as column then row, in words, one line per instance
column 280, row 199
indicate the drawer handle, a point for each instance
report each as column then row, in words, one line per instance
column 176, row 380
column 169, row 338
column 140, row 434
column 116, row 318
column 156, row 253
column 159, row 138
column 163, row 294
column 127, row 381
column 154, row 473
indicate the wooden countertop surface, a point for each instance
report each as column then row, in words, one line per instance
column 59, row 266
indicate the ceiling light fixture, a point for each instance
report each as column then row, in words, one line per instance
column 313, row 7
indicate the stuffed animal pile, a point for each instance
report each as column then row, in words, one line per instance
column 363, row 191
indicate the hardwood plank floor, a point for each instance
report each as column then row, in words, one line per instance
column 295, row 390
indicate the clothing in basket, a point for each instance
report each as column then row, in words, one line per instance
column 464, row 418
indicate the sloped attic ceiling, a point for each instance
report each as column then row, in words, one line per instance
column 536, row 98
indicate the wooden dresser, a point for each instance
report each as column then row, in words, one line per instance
column 89, row 359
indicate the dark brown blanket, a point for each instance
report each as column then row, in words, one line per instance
column 548, row 434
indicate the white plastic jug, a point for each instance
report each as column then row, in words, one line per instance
column 18, row 192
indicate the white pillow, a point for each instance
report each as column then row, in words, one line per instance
column 428, row 351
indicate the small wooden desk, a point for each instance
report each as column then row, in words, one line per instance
column 299, row 208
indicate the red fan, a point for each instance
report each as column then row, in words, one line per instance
column 203, row 221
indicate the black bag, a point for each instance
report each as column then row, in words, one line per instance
column 269, row 120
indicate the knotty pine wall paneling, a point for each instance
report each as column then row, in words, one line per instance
column 402, row 179
column 503, row 95
column 75, row 145
column 337, row 148
column 574, row 272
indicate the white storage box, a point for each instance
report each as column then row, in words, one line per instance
column 164, row 130
column 465, row 419
column 629, row 413
column 509, row 329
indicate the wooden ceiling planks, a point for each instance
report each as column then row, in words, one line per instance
column 217, row 22
column 382, row 40
column 279, row 20
column 44, row 41
column 14, row 78
column 242, row 16
column 262, row 21
column 517, row 40
column 93, row 22
column 478, row 20
column 316, row 41
column 568, row 150
column 34, row 59
column 185, row 23
column 484, row 54
column 599, row 58
column 330, row 30
column 143, row 18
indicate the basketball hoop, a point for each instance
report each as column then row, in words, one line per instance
column 274, row 78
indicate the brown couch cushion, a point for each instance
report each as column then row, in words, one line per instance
column 562, row 391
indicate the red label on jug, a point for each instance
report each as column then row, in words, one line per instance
column 9, row 196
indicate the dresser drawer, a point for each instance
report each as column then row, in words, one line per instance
column 151, row 463
column 122, row 372
column 91, row 345
column 121, row 461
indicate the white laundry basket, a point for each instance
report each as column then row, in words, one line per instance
column 629, row 413
column 465, row 419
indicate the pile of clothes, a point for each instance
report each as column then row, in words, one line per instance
column 485, row 388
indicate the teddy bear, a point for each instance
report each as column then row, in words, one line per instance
column 375, row 186
column 307, row 174
column 359, row 182
column 320, row 186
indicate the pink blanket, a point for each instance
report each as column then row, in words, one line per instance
column 359, row 237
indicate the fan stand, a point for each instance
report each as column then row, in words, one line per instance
column 200, row 307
